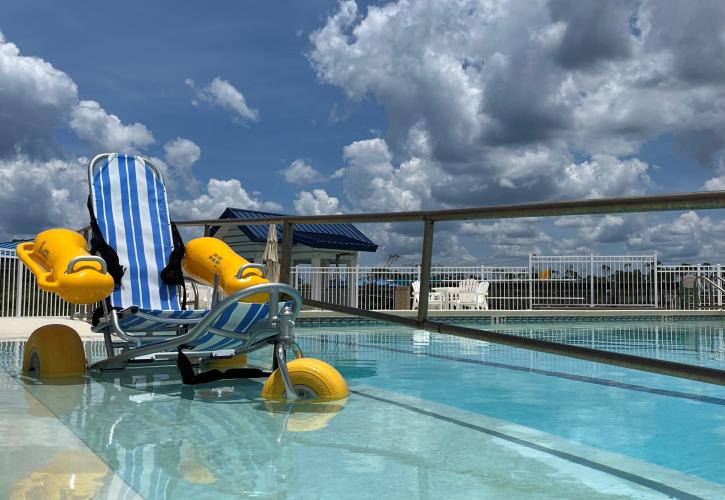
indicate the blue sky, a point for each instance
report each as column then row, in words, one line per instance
column 327, row 106
column 136, row 69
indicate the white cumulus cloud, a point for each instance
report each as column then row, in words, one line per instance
column 223, row 94
column 40, row 194
column 507, row 94
column 180, row 157
column 299, row 172
column 317, row 202
column 35, row 100
column 106, row 131
column 689, row 236
column 217, row 196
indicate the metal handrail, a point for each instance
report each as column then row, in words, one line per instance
column 627, row 204
column 705, row 279
column 668, row 202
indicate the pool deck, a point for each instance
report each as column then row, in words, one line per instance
column 21, row 328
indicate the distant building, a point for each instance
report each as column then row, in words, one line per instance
column 318, row 245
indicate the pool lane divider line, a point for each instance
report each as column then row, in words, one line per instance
column 578, row 378
column 628, row 476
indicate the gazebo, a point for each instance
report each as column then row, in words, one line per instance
column 317, row 245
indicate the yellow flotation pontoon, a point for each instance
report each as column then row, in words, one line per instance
column 142, row 319
column 60, row 261
column 210, row 259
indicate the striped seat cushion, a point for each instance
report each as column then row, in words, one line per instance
column 238, row 318
column 129, row 201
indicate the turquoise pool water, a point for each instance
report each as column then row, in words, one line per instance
column 429, row 416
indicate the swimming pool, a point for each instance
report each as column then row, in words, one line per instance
column 429, row 416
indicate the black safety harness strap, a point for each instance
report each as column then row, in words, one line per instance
column 188, row 376
column 172, row 274
column 106, row 251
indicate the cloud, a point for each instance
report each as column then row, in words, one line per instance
column 689, row 236
column 182, row 153
column 372, row 183
column 486, row 80
column 40, row 194
column 299, row 172
column 35, row 100
column 504, row 102
column 317, row 202
column 716, row 183
column 509, row 238
column 223, row 94
column 584, row 43
column 604, row 176
column 180, row 157
column 38, row 190
column 217, row 196
column 106, row 131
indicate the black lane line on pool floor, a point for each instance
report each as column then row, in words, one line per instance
column 628, row 476
column 548, row 373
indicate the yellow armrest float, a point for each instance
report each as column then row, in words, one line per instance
column 61, row 263
column 205, row 257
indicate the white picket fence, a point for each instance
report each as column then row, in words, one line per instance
column 591, row 281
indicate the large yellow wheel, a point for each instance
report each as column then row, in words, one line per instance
column 313, row 380
column 54, row 351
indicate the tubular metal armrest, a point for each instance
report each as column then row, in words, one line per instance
column 273, row 289
column 246, row 267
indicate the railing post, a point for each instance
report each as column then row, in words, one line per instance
column 19, row 278
column 696, row 292
column 355, row 289
column 317, row 278
column 207, row 230
column 286, row 260
column 655, row 277
column 531, row 283
column 591, row 280
column 425, row 268
column 719, row 291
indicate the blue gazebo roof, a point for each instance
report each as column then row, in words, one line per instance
column 332, row 236
column 10, row 245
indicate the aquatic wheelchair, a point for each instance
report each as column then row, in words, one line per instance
column 136, row 266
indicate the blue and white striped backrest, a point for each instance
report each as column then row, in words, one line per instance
column 129, row 200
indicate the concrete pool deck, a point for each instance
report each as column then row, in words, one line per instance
column 21, row 328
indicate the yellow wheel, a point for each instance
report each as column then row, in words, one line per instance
column 238, row 361
column 313, row 380
column 54, row 351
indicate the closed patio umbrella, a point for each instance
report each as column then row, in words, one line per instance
column 270, row 254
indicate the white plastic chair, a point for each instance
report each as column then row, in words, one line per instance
column 416, row 293
column 482, row 295
column 435, row 299
column 467, row 294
